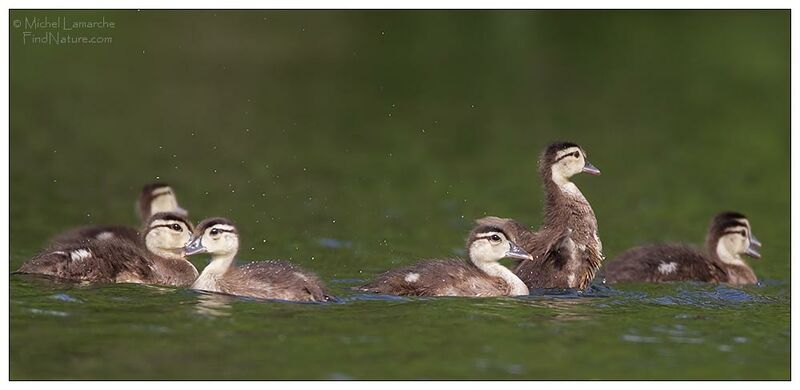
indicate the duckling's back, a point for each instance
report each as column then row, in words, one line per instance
column 274, row 279
column 95, row 232
column 452, row 277
column 662, row 263
column 93, row 261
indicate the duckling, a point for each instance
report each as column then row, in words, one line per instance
column 482, row 276
column 260, row 279
column 154, row 198
column 117, row 260
column 566, row 250
column 729, row 236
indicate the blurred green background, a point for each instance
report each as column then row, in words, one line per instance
column 351, row 142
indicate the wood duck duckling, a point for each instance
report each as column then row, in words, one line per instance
column 729, row 237
column 482, row 276
column 566, row 250
column 260, row 279
column 117, row 260
column 154, row 198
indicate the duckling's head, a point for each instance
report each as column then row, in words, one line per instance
column 489, row 244
column 562, row 160
column 167, row 233
column 158, row 198
column 217, row 236
column 730, row 236
column 735, row 216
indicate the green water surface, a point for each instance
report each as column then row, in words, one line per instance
column 351, row 142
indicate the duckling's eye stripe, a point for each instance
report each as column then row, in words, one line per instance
column 730, row 231
column 224, row 230
column 566, row 155
column 166, row 226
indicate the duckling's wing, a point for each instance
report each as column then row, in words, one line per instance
column 659, row 263
column 92, row 261
column 275, row 279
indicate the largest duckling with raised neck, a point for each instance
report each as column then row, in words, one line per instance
column 260, row 279
column 153, row 198
column 566, row 250
column 481, row 276
column 729, row 237
column 116, row 260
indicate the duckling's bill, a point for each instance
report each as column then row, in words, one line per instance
column 590, row 169
column 194, row 247
column 516, row 252
column 752, row 250
column 754, row 240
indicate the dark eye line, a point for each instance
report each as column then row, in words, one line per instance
column 170, row 226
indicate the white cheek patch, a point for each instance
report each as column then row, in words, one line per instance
column 104, row 236
column 668, row 268
column 411, row 277
column 80, row 254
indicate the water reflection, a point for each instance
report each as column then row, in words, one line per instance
column 561, row 309
column 213, row 305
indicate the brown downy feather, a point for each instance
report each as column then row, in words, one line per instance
column 96, row 232
column 274, row 279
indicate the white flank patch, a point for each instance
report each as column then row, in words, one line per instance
column 105, row 236
column 667, row 268
column 412, row 277
column 80, row 254
column 571, row 279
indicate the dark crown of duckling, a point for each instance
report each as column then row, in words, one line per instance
column 731, row 223
column 557, row 151
column 724, row 220
column 209, row 222
column 169, row 218
column 481, row 231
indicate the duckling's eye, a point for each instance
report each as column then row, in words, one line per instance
column 176, row 227
column 495, row 238
column 214, row 232
column 576, row 154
